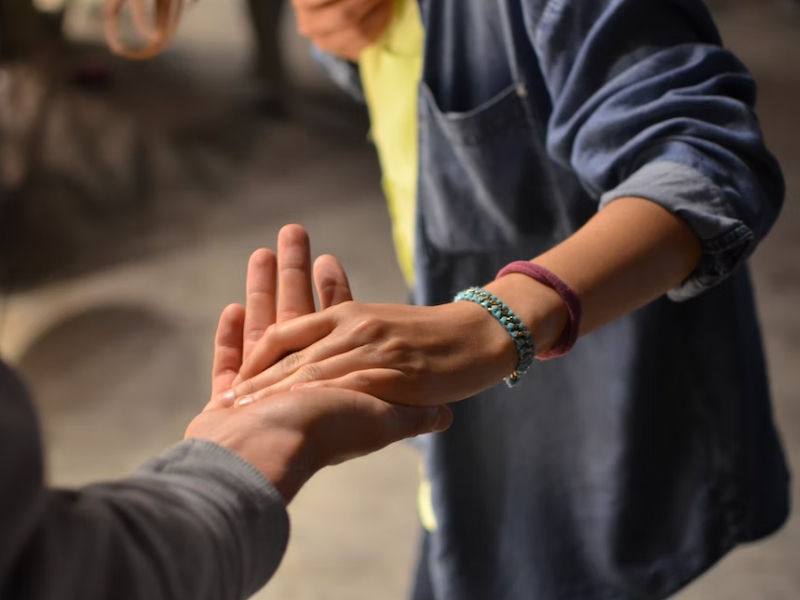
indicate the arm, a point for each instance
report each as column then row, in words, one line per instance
column 207, row 519
column 629, row 254
column 647, row 105
column 199, row 523
column 656, row 120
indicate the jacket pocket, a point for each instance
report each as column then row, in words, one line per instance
column 484, row 178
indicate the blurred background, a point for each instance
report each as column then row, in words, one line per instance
column 131, row 195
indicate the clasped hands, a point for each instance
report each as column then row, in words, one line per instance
column 294, row 433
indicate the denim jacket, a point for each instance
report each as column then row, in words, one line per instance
column 628, row 467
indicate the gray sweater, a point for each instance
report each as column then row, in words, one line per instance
column 198, row 523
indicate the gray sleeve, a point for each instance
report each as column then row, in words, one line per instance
column 198, row 523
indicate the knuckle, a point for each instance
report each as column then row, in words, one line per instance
column 415, row 367
column 368, row 328
column 346, row 310
column 361, row 381
column 291, row 363
column 287, row 314
column 247, row 388
column 397, row 350
column 309, row 373
column 254, row 335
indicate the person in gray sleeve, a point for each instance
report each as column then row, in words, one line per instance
column 207, row 519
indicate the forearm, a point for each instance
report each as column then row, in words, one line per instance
column 630, row 253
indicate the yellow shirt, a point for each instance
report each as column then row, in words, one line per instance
column 390, row 73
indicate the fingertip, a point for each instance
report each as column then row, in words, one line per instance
column 331, row 280
column 292, row 234
column 442, row 419
column 227, row 399
column 262, row 257
column 233, row 311
column 326, row 260
column 328, row 269
column 231, row 321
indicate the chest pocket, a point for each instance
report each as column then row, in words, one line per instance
column 484, row 177
column 485, row 180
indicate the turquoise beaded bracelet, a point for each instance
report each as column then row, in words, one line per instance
column 516, row 328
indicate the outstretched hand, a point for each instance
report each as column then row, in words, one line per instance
column 294, row 434
column 278, row 289
column 413, row 355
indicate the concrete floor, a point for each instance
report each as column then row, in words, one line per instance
column 116, row 341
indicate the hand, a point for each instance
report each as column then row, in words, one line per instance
column 295, row 434
column 343, row 27
column 268, row 303
column 402, row 354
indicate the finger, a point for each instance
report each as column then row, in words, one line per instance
column 401, row 422
column 343, row 424
column 285, row 338
column 295, row 297
column 366, row 424
column 387, row 384
column 331, row 282
column 319, row 362
column 227, row 350
column 260, row 311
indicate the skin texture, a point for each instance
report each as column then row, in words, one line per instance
column 294, row 434
column 629, row 254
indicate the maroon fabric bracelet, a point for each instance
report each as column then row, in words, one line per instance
column 569, row 336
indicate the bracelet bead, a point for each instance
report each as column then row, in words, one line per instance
column 520, row 334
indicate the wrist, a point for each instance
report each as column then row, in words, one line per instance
column 489, row 350
column 280, row 461
column 279, row 454
column 538, row 306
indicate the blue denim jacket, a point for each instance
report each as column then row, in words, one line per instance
column 628, row 467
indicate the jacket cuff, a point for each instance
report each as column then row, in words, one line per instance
column 692, row 196
column 252, row 502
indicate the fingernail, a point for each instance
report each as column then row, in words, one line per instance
column 229, row 397
column 246, row 400
column 300, row 386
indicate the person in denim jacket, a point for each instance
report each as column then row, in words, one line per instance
column 614, row 144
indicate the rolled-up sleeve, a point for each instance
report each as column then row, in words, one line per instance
column 647, row 103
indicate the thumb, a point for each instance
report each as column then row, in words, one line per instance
column 401, row 422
